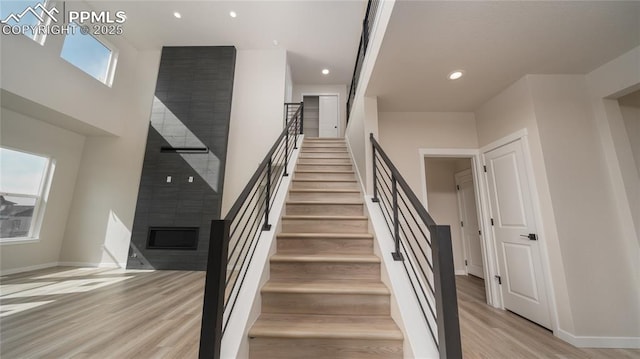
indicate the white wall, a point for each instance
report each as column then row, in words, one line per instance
column 506, row 113
column 614, row 79
column 402, row 134
column 631, row 117
column 300, row 90
column 256, row 116
column 104, row 198
column 65, row 148
column 39, row 74
column 592, row 243
column 288, row 87
column 101, row 218
column 589, row 253
column 443, row 200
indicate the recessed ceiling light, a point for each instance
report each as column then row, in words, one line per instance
column 177, row 15
column 456, row 75
column 325, row 71
column 232, row 14
column 275, row 42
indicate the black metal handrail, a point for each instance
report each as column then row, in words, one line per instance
column 290, row 109
column 427, row 260
column 234, row 239
column 367, row 26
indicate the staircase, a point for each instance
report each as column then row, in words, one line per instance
column 324, row 298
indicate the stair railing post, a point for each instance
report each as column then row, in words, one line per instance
column 214, row 288
column 301, row 117
column 267, row 197
column 397, row 256
column 286, row 151
column 375, row 170
column 447, row 318
column 295, row 144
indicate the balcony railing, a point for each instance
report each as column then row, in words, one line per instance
column 367, row 27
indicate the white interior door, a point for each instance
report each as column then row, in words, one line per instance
column 328, row 116
column 469, row 222
column 514, row 231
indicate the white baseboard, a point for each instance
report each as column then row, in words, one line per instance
column 461, row 272
column 599, row 342
column 28, row 269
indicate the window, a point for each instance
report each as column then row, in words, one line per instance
column 26, row 13
column 89, row 54
column 24, row 180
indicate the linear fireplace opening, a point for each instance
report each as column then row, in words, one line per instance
column 182, row 238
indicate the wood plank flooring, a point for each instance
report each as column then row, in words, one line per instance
column 492, row 333
column 109, row 313
column 101, row 313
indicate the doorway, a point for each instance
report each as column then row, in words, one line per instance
column 452, row 201
column 321, row 115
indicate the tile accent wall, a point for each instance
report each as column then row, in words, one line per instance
column 191, row 110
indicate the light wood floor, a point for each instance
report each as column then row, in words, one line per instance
column 492, row 333
column 107, row 313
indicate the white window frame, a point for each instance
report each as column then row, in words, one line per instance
column 40, row 204
column 113, row 58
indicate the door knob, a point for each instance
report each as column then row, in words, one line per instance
column 531, row 236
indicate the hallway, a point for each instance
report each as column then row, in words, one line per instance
column 492, row 333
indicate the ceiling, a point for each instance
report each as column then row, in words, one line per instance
column 317, row 34
column 495, row 43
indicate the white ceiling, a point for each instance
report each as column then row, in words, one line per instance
column 496, row 43
column 317, row 34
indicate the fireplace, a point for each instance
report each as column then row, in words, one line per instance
column 181, row 238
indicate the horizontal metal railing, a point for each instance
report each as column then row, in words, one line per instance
column 367, row 27
column 424, row 248
column 233, row 240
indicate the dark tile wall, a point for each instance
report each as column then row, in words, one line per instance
column 192, row 108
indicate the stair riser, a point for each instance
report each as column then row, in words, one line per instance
column 324, row 155
column 324, row 185
column 306, row 149
column 369, row 272
column 324, row 196
column 271, row 348
column 325, row 225
column 324, row 161
column 325, row 304
column 317, row 167
column 326, row 209
column 325, row 246
column 323, row 140
column 324, row 176
column 342, row 146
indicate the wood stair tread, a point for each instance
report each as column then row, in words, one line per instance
column 325, row 326
column 326, row 287
column 302, row 216
column 311, row 203
column 326, row 258
column 323, row 180
column 324, row 171
column 326, row 235
column 338, row 190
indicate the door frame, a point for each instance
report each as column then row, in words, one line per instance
column 521, row 135
column 492, row 291
column 457, row 175
column 340, row 129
